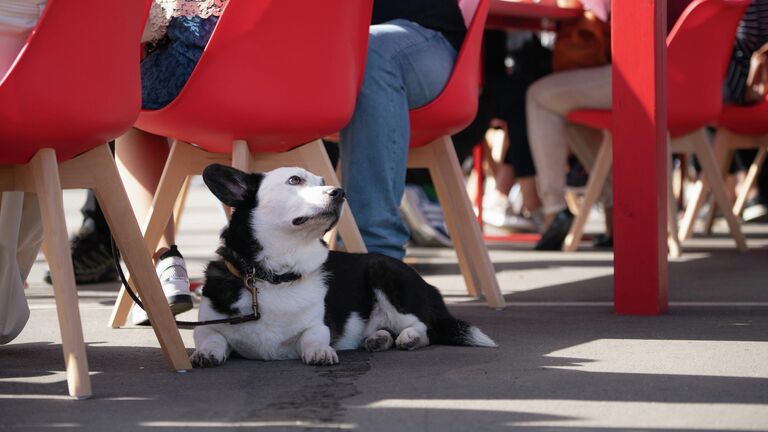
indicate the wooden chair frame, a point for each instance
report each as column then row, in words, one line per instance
column 696, row 143
column 726, row 142
column 95, row 170
column 440, row 158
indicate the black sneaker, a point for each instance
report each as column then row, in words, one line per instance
column 603, row 241
column 91, row 256
column 554, row 236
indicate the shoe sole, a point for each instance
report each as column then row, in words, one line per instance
column 178, row 303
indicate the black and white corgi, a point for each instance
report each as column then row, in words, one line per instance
column 311, row 301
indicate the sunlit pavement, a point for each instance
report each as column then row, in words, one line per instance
column 565, row 361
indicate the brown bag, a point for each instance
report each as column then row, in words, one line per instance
column 757, row 80
column 583, row 43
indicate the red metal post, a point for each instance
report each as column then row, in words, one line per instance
column 477, row 163
column 640, row 156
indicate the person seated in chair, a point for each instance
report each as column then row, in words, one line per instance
column 412, row 48
column 549, row 100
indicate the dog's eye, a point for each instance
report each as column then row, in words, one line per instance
column 295, row 180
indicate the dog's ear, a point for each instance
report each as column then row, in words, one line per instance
column 231, row 186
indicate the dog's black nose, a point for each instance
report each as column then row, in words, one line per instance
column 337, row 193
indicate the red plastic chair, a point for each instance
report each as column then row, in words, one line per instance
column 743, row 128
column 699, row 48
column 739, row 127
column 269, row 82
column 59, row 105
column 431, row 147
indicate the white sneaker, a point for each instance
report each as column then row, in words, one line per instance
column 424, row 218
column 172, row 272
column 504, row 217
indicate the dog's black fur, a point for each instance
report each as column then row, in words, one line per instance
column 351, row 279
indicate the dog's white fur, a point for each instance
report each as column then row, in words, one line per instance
column 291, row 324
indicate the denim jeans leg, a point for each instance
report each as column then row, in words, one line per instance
column 407, row 66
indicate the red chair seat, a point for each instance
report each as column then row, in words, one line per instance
column 38, row 108
column 603, row 119
column 455, row 107
column 745, row 120
column 275, row 96
column 598, row 119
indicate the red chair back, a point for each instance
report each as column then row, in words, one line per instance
column 745, row 120
column 456, row 106
column 75, row 84
column 276, row 73
column 699, row 50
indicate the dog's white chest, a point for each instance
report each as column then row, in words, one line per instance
column 286, row 312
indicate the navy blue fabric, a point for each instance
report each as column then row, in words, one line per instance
column 167, row 68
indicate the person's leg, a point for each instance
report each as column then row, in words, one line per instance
column 549, row 101
column 407, row 66
column 140, row 159
column 518, row 154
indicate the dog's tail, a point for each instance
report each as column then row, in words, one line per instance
column 452, row 331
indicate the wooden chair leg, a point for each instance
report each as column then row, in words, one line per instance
column 117, row 211
column 181, row 200
column 673, row 241
column 709, row 218
column 241, row 159
column 595, row 185
column 45, row 172
column 723, row 155
column 241, row 156
column 572, row 200
column 724, row 140
column 692, row 210
column 171, row 182
column 316, row 160
column 472, row 253
column 750, row 179
column 712, row 171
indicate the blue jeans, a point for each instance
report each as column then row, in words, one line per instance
column 407, row 67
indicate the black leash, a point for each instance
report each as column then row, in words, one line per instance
column 250, row 283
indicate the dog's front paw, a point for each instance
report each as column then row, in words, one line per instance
column 379, row 341
column 320, row 356
column 205, row 359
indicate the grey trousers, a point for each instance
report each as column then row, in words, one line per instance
column 21, row 235
column 548, row 102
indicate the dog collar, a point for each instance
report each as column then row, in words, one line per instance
column 254, row 274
